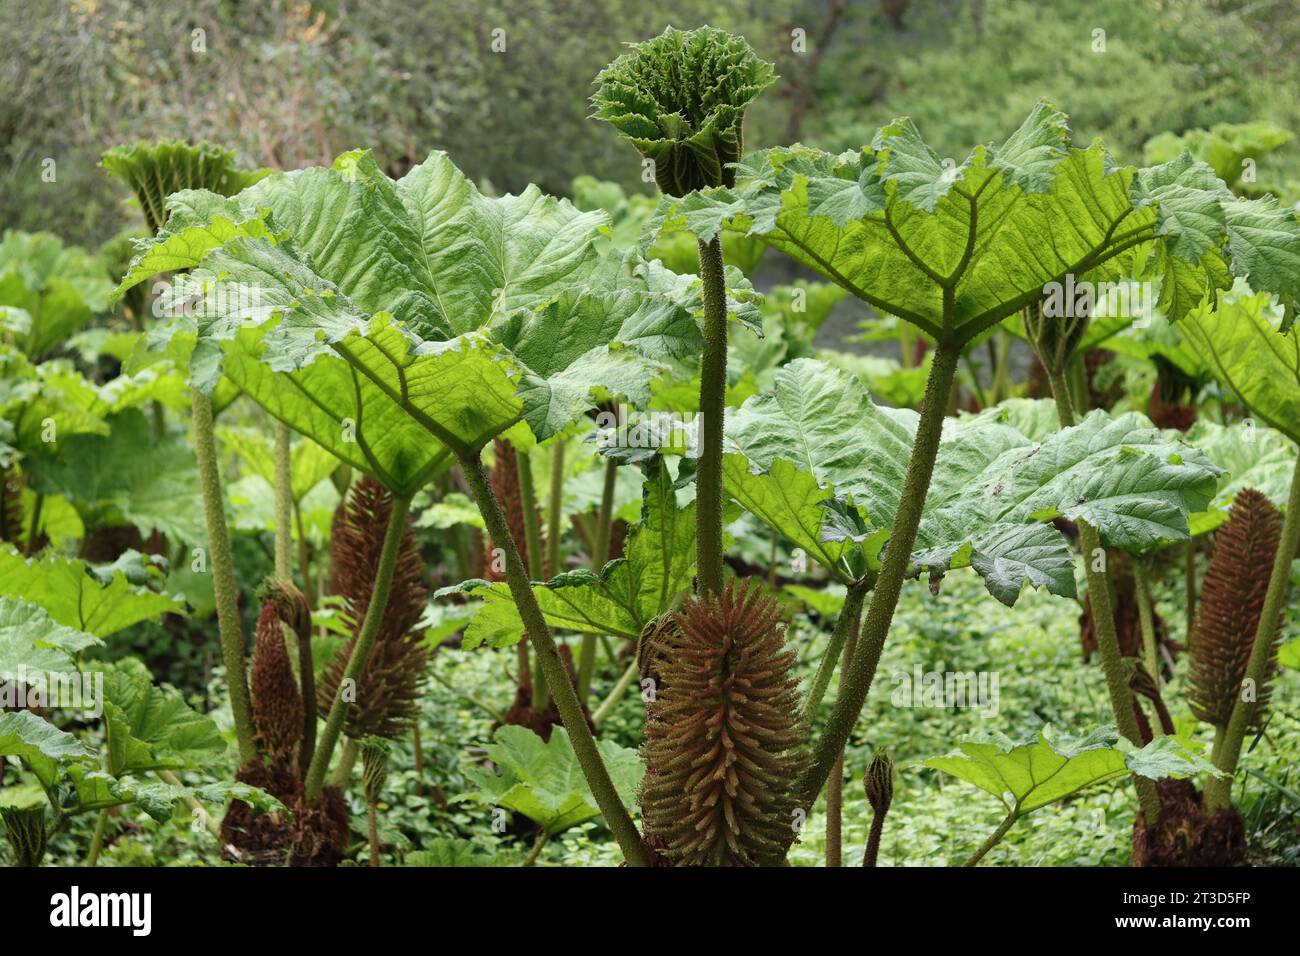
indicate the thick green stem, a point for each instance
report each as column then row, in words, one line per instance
column 606, row 517
column 889, row 583
column 342, row 774
column 835, row 786
column 548, row 659
column 835, row 813
column 538, row 844
column 872, row 851
column 283, row 504
column 315, row 781
column 1218, row 792
column 1103, row 618
column 600, row 554
column 532, row 525
column 222, row 562
column 1146, row 617
column 846, row 624
column 97, row 840
column 713, row 394
column 555, row 510
column 994, row 838
column 372, row 818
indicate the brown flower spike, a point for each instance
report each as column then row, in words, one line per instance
column 1232, row 599
column 277, row 704
column 723, row 734
column 388, row 690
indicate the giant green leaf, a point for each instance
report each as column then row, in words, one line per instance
column 542, row 779
column 399, row 323
column 820, row 420
column 1241, row 344
column 127, row 477
column 992, row 486
column 149, row 727
column 57, row 288
column 38, row 743
column 954, row 247
column 790, row 502
column 97, row 790
column 75, row 597
column 1051, row 766
column 1252, row 456
column 30, row 641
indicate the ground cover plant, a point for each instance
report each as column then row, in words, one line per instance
column 365, row 516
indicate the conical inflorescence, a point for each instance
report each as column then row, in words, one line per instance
column 388, row 690
column 277, row 703
column 723, row 734
column 1232, row 599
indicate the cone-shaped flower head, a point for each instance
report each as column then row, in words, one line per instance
column 374, row 766
column 879, row 782
column 277, row 703
column 388, row 691
column 681, row 98
column 723, row 735
column 1232, row 600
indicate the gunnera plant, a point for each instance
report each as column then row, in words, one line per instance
column 277, row 703
column 680, row 99
column 388, row 689
column 1231, row 603
column 1232, row 599
column 723, row 734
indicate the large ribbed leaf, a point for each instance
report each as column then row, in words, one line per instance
column 47, row 290
column 1252, row 456
column 128, row 477
column 820, row 420
column 38, row 743
column 790, row 502
column 992, row 487
column 1133, row 483
column 399, row 323
column 955, row 246
column 1051, row 766
column 31, row 641
column 150, row 727
column 1241, row 344
column 541, row 779
column 72, row 596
